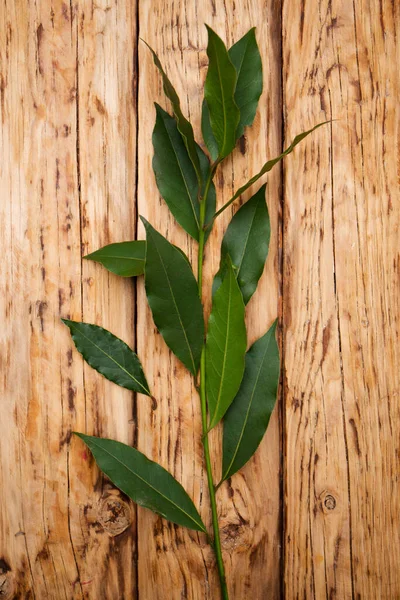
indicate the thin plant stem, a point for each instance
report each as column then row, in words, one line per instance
column 202, row 391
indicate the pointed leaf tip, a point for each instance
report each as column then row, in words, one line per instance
column 123, row 258
column 246, row 59
column 225, row 346
column 219, row 90
column 175, row 176
column 246, row 241
column 144, row 481
column 184, row 126
column 108, row 355
column 172, row 294
column 247, row 418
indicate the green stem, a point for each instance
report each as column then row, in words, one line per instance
column 217, row 538
column 203, row 400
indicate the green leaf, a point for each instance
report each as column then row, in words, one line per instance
column 144, row 481
column 183, row 124
column 267, row 167
column 248, row 416
column 173, row 297
column 219, row 92
column 125, row 258
column 175, row 176
column 109, row 355
column 246, row 241
column 207, row 133
column 225, row 346
column 246, row 59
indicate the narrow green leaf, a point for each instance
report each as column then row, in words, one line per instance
column 219, row 92
column 208, row 136
column 175, row 176
column 144, row 481
column 124, row 258
column 109, row 355
column 225, row 346
column 248, row 416
column 184, row 126
column 246, row 241
column 246, row 59
column 173, row 297
column 268, row 166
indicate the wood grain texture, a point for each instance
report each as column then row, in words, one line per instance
column 341, row 310
column 76, row 118
column 68, row 174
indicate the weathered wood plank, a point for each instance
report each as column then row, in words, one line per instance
column 68, row 180
column 68, row 173
column 170, row 562
column 106, row 130
column 340, row 314
column 41, row 249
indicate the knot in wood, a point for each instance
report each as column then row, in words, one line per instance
column 115, row 515
column 6, row 581
column 329, row 502
column 236, row 537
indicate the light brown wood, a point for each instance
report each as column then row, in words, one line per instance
column 68, row 184
column 76, row 111
column 341, row 330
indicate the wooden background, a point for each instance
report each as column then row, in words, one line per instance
column 316, row 513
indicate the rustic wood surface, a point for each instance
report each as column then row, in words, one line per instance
column 315, row 514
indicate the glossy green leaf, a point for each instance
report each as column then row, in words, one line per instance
column 173, row 297
column 246, row 241
column 175, row 176
column 124, row 258
column 225, row 346
column 144, row 481
column 183, row 124
column 246, row 59
column 109, row 355
column 219, row 92
column 207, row 133
column 248, row 416
column 269, row 165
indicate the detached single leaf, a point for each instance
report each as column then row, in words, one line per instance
column 246, row 241
column 109, row 355
column 175, row 175
column 248, row 416
column 173, row 297
column 219, row 90
column 225, row 346
column 183, row 124
column 268, row 166
column 144, row 481
column 246, row 59
column 125, row 258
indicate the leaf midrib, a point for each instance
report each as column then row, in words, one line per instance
column 226, row 474
column 182, row 174
column 222, row 93
column 150, row 486
column 103, row 256
column 111, row 358
column 247, row 239
column 225, row 352
column 176, row 306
